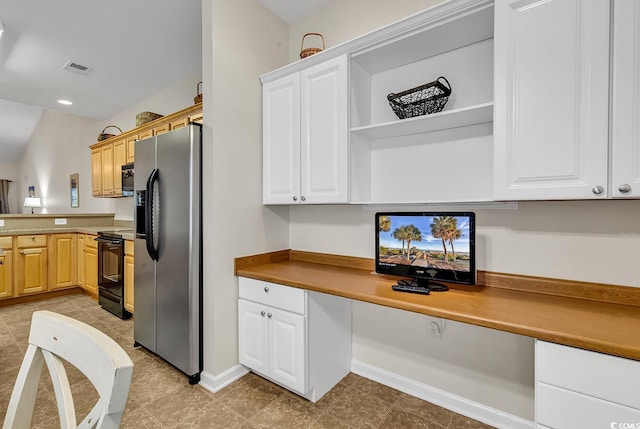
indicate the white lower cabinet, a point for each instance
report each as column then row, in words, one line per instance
column 296, row 338
column 577, row 388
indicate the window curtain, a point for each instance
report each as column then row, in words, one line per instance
column 4, row 196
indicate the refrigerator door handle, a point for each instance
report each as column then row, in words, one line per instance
column 151, row 249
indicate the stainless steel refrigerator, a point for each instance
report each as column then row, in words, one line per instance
column 168, row 248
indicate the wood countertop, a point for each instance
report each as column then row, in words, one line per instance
column 602, row 318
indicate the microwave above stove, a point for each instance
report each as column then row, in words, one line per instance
column 127, row 180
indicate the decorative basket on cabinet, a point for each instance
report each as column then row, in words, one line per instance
column 104, row 136
column 307, row 52
column 421, row 100
column 198, row 98
column 144, row 117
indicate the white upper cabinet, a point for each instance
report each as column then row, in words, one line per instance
column 324, row 137
column 551, row 115
column 625, row 126
column 281, row 140
column 305, row 136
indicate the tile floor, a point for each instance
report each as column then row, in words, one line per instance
column 161, row 398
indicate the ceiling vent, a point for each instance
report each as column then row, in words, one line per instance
column 74, row 67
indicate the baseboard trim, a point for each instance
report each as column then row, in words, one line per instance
column 214, row 383
column 442, row 398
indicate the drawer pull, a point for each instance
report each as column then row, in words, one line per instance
column 269, row 315
column 266, row 289
column 262, row 313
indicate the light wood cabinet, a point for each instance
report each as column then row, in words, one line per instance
column 128, row 275
column 91, row 265
column 179, row 123
column 108, row 156
column 551, row 99
column 161, row 129
column 31, row 264
column 6, row 267
column 305, row 136
column 80, row 258
column 131, row 145
column 96, row 172
column 145, row 134
column 62, row 261
column 298, row 339
column 196, row 118
column 108, row 182
column 119, row 159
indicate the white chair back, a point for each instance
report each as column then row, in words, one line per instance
column 54, row 338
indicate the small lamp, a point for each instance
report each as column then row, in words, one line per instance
column 32, row 202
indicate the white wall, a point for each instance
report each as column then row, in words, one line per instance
column 59, row 146
column 10, row 172
column 241, row 40
column 343, row 20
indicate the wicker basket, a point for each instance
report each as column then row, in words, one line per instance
column 144, row 117
column 421, row 100
column 198, row 98
column 307, row 52
column 104, row 136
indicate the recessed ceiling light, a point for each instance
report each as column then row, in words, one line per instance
column 65, row 102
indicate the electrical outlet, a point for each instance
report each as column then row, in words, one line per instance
column 60, row 221
column 1, row 222
column 435, row 328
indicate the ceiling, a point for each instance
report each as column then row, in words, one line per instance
column 133, row 49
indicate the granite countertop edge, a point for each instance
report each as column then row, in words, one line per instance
column 127, row 233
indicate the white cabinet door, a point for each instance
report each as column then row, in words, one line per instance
column 324, row 133
column 625, row 131
column 551, row 74
column 287, row 357
column 253, row 336
column 281, row 140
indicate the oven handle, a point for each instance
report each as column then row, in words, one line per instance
column 109, row 241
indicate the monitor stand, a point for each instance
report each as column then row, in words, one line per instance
column 433, row 286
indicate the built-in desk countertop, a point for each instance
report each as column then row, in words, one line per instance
column 602, row 318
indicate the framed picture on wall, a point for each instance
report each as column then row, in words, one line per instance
column 74, row 186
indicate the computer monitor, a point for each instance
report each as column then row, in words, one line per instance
column 427, row 246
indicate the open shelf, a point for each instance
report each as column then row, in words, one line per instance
column 462, row 117
column 440, row 35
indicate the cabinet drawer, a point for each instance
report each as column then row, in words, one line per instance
column 90, row 242
column 6, row 242
column 560, row 408
column 603, row 376
column 32, row 241
column 128, row 247
column 273, row 295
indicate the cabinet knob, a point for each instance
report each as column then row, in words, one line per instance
column 303, row 198
column 262, row 313
column 625, row 189
column 598, row 189
column 295, row 198
column 2, row 261
column 266, row 289
column 269, row 315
